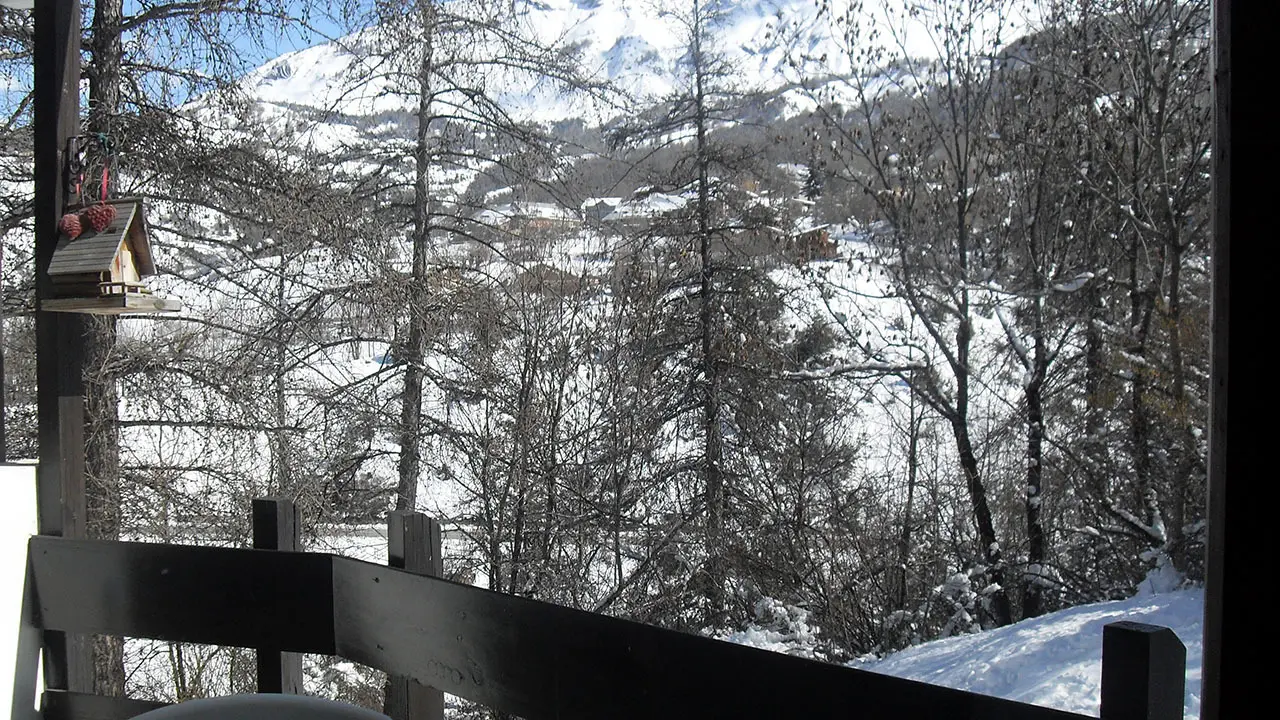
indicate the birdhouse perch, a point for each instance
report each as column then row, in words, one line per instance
column 101, row 271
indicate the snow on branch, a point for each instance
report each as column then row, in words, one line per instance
column 1156, row 533
column 1019, row 347
column 824, row 373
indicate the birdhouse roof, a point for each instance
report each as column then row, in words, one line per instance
column 92, row 252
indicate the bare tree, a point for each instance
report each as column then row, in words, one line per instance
column 921, row 149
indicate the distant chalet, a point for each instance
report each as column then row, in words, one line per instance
column 644, row 207
column 526, row 217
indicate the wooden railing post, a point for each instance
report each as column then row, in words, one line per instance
column 275, row 527
column 1144, row 670
column 60, row 337
column 413, row 544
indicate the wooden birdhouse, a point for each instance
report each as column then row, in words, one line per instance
column 101, row 271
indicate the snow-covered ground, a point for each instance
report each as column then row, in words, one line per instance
column 1054, row 660
column 17, row 524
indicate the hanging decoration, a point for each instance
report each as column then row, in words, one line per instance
column 89, row 157
column 70, row 225
column 99, row 216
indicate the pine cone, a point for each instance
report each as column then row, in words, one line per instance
column 99, row 216
column 70, row 225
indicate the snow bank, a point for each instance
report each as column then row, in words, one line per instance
column 17, row 525
column 1055, row 660
column 778, row 627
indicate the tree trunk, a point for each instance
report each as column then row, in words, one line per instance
column 1002, row 612
column 1141, row 307
column 1097, row 477
column 708, row 327
column 913, row 471
column 1033, row 591
column 410, row 460
column 1190, row 460
column 1037, row 367
column 102, row 429
column 281, row 470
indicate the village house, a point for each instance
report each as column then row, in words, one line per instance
column 813, row 243
column 521, row 218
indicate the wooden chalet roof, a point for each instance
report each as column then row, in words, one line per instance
column 93, row 252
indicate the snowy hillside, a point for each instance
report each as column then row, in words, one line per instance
column 1054, row 660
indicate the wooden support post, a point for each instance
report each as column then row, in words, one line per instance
column 1144, row 669
column 413, row 544
column 1240, row 511
column 30, row 642
column 68, row 660
column 275, row 527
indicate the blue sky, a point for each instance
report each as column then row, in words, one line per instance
column 320, row 28
column 15, row 78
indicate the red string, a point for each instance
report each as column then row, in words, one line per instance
column 105, row 175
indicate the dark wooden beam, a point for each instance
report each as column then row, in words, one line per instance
column 217, row 596
column 275, row 527
column 538, row 660
column 60, row 705
column 1242, row 394
column 413, row 545
column 30, row 643
column 1144, row 673
column 59, row 337
column 519, row 656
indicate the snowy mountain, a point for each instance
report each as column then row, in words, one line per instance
column 638, row 47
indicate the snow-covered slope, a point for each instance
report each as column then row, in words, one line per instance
column 1055, row 660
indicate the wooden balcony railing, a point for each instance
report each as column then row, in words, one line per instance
column 519, row 656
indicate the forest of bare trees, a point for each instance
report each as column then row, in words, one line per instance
column 924, row 354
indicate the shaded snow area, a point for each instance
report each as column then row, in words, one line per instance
column 1055, row 660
